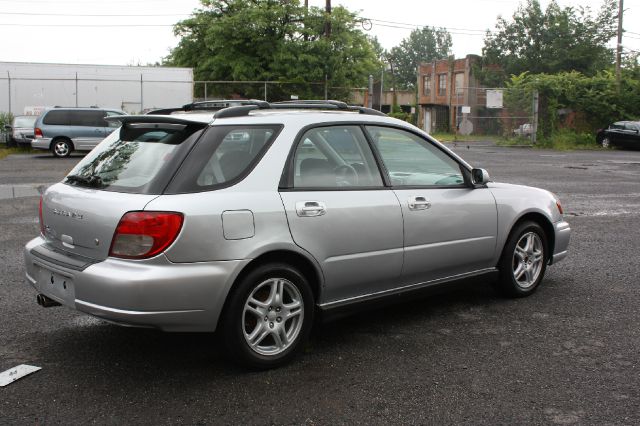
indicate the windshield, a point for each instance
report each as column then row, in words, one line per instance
column 141, row 158
column 25, row 122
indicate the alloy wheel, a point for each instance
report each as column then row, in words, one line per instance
column 272, row 317
column 528, row 260
column 61, row 149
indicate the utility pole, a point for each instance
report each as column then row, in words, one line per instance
column 9, row 91
column 619, row 46
column 327, row 22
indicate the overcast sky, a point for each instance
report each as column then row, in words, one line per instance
column 132, row 32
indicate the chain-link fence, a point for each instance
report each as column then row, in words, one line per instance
column 499, row 112
column 271, row 91
column 29, row 95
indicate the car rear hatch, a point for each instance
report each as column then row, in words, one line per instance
column 124, row 173
column 82, row 221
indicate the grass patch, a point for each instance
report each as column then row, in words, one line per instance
column 561, row 140
column 453, row 137
column 517, row 141
column 15, row 150
column 568, row 140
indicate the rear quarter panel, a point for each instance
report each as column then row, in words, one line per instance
column 202, row 237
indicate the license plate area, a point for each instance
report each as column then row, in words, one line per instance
column 56, row 285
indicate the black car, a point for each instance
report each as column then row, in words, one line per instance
column 624, row 134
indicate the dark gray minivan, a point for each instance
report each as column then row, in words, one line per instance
column 63, row 130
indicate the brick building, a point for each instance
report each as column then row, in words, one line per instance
column 444, row 87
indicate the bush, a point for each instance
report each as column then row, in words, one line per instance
column 5, row 119
column 405, row 116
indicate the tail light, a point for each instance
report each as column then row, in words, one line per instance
column 559, row 207
column 141, row 235
column 40, row 217
column 37, row 132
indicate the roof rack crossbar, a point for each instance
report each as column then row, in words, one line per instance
column 338, row 104
column 330, row 105
column 210, row 105
column 241, row 108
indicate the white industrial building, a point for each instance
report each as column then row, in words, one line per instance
column 27, row 87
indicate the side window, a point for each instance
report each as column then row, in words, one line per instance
column 237, row 149
column 56, row 117
column 631, row 126
column 414, row 161
column 86, row 118
column 333, row 157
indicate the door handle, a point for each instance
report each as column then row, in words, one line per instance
column 419, row 203
column 310, row 208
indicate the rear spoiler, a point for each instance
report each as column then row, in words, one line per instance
column 138, row 122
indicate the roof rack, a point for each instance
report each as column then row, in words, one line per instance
column 244, row 110
column 210, row 105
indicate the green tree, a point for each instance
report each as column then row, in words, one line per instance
column 594, row 99
column 554, row 40
column 423, row 45
column 276, row 40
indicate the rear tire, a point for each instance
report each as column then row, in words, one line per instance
column 61, row 148
column 268, row 316
column 523, row 261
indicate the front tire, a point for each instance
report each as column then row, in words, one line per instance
column 524, row 260
column 61, row 148
column 268, row 316
column 605, row 143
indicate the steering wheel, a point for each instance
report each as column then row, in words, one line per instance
column 346, row 175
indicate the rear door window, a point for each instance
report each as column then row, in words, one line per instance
column 335, row 157
column 87, row 118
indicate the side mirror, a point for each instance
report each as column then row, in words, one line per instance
column 8, row 127
column 480, row 176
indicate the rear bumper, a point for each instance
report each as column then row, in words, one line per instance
column 153, row 293
column 41, row 143
column 562, row 236
column 22, row 140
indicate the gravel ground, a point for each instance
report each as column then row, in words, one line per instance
column 567, row 355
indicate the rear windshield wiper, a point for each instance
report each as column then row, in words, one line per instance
column 92, row 181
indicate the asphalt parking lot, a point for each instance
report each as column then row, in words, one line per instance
column 570, row 354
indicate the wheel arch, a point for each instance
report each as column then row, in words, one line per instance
column 541, row 220
column 306, row 266
column 57, row 138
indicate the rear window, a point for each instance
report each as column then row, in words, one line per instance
column 223, row 156
column 24, row 122
column 139, row 158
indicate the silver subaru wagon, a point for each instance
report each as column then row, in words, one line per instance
column 256, row 219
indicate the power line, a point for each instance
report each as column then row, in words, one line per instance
column 87, row 25
column 94, row 15
column 420, row 25
column 84, row 2
column 459, row 32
